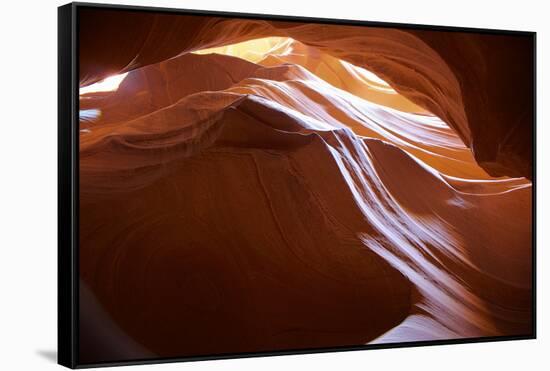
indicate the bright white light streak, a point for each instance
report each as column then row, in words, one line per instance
column 89, row 115
column 111, row 83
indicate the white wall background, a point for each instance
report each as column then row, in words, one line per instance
column 28, row 181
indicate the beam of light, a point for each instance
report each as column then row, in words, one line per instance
column 111, row 83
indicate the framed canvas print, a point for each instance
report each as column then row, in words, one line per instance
column 235, row 185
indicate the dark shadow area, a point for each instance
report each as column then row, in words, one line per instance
column 50, row 355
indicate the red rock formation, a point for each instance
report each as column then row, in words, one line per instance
column 459, row 77
column 232, row 206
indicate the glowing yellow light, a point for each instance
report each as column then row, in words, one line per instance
column 256, row 50
column 111, row 83
column 252, row 50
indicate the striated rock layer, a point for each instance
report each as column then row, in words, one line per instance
column 278, row 195
column 480, row 84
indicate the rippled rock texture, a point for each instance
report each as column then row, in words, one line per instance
column 263, row 185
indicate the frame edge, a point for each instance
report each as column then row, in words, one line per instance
column 66, row 298
column 68, row 183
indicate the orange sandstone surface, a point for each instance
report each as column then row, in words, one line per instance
column 262, row 185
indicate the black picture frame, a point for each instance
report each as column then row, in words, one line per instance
column 68, row 183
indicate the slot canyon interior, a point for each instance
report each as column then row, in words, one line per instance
column 252, row 185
